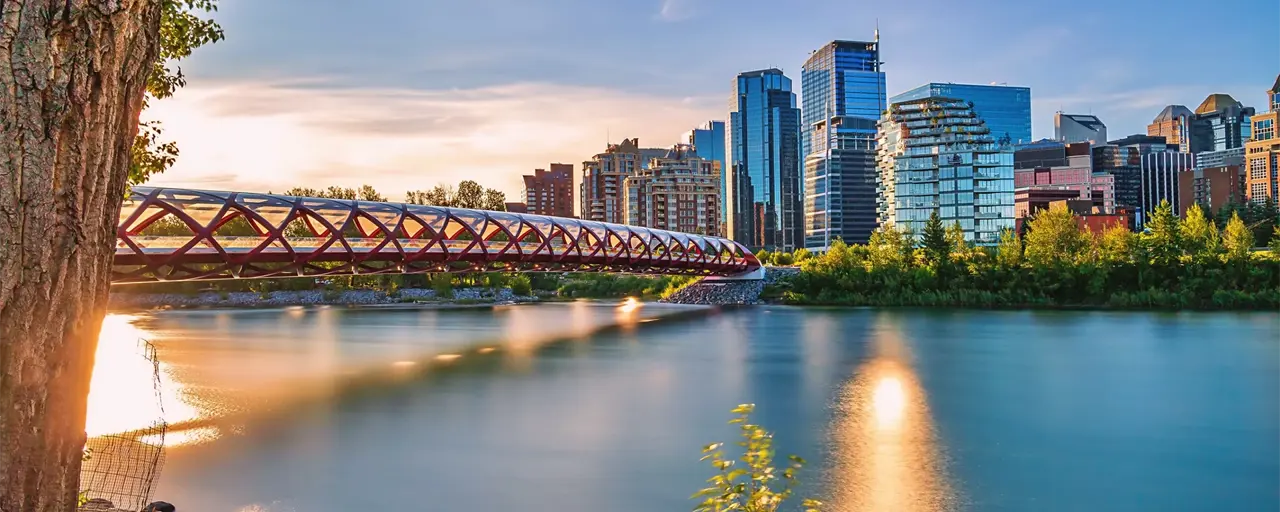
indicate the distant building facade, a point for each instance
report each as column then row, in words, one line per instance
column 601, row 188
column 1220, row 124
column 550, row 192
column 679, row 191
column 1262, row 152
column 1124, row 159
column 709, row 144
column 844, row 96
column 1173, row 124
column 1161, row 171
column 1050, row 171
column 936, row 155
column 1210, row 187
column 763, row 152
column 1005, row 109
column 1068, row 128
column 517, row 207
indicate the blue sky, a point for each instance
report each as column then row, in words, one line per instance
column 403, row 94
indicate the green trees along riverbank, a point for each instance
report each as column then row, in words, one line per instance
column 1174, row 264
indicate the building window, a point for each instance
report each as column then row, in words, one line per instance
column 1263, row 130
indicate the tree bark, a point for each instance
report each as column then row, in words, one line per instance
column 72, row 78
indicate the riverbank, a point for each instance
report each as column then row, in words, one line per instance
column 463, row 296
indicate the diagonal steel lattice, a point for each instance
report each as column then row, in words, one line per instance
column 168, row 234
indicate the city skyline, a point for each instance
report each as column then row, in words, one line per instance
column 386, row 94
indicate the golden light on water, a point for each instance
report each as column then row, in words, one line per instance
column 886, row 455
column 629, row 305
column 123, row 394
column 888, row 403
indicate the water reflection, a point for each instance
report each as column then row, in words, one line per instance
column 128, row 392
column 885, row 455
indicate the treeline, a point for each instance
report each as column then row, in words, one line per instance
column 1173, row 264
column 468, row 194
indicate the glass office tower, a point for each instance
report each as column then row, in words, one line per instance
column 708, row 143
column 1006, row 110
column 844, row 96
column 764, row 162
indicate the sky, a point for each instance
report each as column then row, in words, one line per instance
column 406, row 94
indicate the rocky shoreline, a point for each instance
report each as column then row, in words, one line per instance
column 724, row 292
column 313, row 298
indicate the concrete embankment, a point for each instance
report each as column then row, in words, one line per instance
column 715, row 293
column 124, row 300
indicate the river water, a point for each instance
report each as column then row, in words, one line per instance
column 604, row 406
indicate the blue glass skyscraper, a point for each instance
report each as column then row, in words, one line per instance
column 764, row 162
column 708, row 143
column 1006, row 110
column 844, row 96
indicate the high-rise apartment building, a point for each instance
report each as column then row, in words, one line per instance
column 601, row 188
column 550, row 192
column 1262, row 152
column 679, row 191
column 1069, row 128
column 1050, row 171
column 764, row 210
column 936, row 155
column 1006, row 110
column 1174, row 125
column 708, row 143
column 844, row 96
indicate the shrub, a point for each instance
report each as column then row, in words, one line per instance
column 520, row 285
column 754, row 485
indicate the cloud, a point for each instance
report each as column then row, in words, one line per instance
column 676, row 10
column 261, row 136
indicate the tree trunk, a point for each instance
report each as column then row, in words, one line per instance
column 72, row 77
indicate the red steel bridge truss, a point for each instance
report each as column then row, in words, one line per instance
column 167, row 234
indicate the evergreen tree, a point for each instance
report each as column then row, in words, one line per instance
column 933, row 239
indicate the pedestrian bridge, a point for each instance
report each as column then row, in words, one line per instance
column 168, row 234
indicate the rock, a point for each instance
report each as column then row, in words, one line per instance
column 714, row 293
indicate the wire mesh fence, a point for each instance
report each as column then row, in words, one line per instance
column 120, row 470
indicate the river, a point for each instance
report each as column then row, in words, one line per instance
column 603, row 406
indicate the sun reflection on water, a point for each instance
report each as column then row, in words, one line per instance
column 123, row 394
column 886, row 455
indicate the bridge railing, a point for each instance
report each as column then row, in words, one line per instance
column 178, row 234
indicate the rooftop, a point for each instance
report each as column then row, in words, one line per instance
column 1216, row 102
column 1276, row 88
column 1170, row 112
column 1090, row 122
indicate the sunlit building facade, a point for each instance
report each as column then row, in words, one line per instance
column 679, row 191
column 1174, row 125
column 936, row 155
column 844, row 95
column 601, row 188
column 1049, row 171
column 549, row 192
column 763, row 152
column 1006, row 110
column 1262, row 152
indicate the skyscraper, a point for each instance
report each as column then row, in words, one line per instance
column 1005, row 110
column 550, row 192
column 936, row 155
column 1069, row 128
column 764, row 162
column 844, row 95
column 1174, row 124
column 708, row 143
column 1262, row 152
